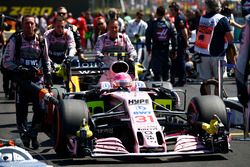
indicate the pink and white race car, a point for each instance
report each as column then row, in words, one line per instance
column 124, row 117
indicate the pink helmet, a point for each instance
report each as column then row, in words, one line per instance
column 122, row 79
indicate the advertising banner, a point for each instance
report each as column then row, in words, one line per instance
column 39, row 7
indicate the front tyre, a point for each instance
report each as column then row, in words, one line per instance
column 69, row 117
column 202, row 108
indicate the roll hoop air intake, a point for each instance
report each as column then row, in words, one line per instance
column 119, row 66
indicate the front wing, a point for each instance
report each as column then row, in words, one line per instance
column 103, row 155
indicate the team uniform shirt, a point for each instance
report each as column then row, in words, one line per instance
column 158, row 36
column 76, row 34
column 58, row 47
column 29, row 56
column 105, row 43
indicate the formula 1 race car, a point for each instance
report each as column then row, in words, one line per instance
column 124, row 117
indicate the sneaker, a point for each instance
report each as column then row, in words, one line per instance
column 35, row 144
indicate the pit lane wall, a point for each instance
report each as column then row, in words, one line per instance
column 39, row 7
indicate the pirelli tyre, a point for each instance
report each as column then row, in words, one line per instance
column 202, row 108
column 69, row 117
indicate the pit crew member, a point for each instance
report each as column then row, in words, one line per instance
column 62, row 11
column 20, row 62
column 107, row 41
column 59, row 43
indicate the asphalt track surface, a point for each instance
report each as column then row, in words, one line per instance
column 239, row 156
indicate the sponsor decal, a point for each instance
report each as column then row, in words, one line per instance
column 142, row 113
column 148, row 132
column 140, row 108
column 138, row 101
column 26, row 10
column 87, row 68
column 105, row 85
column 147, row 128
column 106, row 131
column 89, row 65
column 31, row 62
column 149, row 135
column 90, row 72
column 40, row 7
column 140, row 84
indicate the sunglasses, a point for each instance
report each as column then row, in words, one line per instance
column 62, row 14
column 100, row 24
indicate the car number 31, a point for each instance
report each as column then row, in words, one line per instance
column 144, row 119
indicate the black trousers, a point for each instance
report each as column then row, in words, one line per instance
column 6, row 83
column 178, row 67
column 160, row 64
column 23, row 99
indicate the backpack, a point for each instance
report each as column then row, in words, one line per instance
column 18, row 43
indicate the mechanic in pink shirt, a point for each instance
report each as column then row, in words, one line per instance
column 112, row 39
column 59, row 44
column 59, row 41
column 23, row 58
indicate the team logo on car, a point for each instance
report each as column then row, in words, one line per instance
column 138, row 101
column 140, row 108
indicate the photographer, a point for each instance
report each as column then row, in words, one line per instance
column 136, row 30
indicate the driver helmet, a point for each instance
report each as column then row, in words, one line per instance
column 122, row 79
